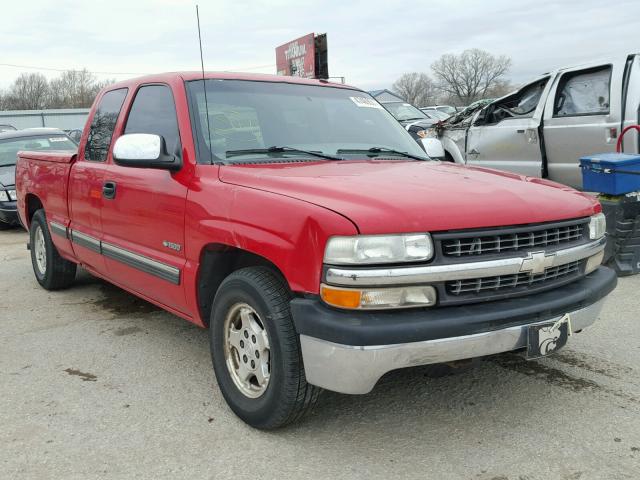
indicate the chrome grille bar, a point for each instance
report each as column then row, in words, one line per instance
column 354, row 277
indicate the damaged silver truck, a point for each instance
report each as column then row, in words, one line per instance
column 543, row 129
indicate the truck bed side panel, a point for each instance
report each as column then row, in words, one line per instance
column 46, row 177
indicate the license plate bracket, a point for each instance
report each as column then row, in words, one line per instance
column 547, row 338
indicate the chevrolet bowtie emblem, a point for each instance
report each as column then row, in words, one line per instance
column 537, row 262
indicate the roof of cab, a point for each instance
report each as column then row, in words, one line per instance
column 256, row 77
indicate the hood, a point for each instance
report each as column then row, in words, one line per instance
column 387, row 196
column 7, row 176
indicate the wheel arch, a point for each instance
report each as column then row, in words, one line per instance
column 217, row 262
column 32, row 204
column 451, row 148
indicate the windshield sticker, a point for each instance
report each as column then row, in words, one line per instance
column 365, row 102
column 57, row 139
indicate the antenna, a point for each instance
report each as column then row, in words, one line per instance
column 204, row 88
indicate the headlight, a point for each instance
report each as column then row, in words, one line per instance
column 378, row 298
column 375, row 249
column 4, row 196
column 597, row 226
column 12, row 195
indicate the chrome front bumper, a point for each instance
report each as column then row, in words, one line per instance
column 356, row 369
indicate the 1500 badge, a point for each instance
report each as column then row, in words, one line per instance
column 173, row 246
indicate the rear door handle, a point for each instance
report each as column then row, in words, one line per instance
column 109, row 190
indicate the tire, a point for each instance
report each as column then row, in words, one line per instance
column 5, row 226
column 54, row 273
column 257, row 298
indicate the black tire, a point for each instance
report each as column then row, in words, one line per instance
column 5, row 226
column 58, row 273
column 287, row 396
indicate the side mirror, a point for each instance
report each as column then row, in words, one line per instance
column 144, row 150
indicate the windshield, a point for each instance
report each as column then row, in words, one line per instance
column 10, row 147
column 250, row 115
column 404, row 111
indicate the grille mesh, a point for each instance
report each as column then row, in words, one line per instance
column 504, row 242
column 505, row 282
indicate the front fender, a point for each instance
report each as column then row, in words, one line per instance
column 288, row 232
column 450, row 139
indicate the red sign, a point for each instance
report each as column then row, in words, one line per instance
column 297, row 58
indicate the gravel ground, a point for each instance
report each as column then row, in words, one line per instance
column 96, row 383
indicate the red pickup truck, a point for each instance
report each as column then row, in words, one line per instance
column 300, row 223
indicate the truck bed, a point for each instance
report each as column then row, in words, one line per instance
column 45, row 175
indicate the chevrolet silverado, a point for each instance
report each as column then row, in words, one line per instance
column 303, row 226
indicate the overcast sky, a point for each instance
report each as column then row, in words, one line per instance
column 370, row 43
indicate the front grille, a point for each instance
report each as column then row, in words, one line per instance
column 512, row 240
column 504, row 283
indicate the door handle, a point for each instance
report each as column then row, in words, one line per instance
column 109, row 190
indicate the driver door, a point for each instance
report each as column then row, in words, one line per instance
column 505, row 135
column 143, row 217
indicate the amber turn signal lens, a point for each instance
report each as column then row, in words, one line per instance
column 338, row 297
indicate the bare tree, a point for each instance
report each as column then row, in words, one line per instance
column 74, row 89
column 28, row 92
column 500, row 89
column 416, row 88
column 469, row 76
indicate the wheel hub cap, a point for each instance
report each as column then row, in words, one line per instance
column 247, row 351
column 40, row 251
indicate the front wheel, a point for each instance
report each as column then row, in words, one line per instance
column 52, row 271
column 255, row 350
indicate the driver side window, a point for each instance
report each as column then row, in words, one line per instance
column 154, row 111
column 521, row 104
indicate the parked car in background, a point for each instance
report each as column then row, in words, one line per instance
column 311, row 235
column 7, row 128
column 448, row 109
column 11, row 142
column 435, row 114
column 543, row 129
column 74, row 135
column 419, row 125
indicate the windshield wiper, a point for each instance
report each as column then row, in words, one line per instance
column 381, row 150
column 275, row 150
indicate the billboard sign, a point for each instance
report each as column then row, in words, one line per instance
column 303, row 57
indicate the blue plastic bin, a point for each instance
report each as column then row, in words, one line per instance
column 611, row 173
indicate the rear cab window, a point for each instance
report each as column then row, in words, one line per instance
column 103, row 125
column 585, row 92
